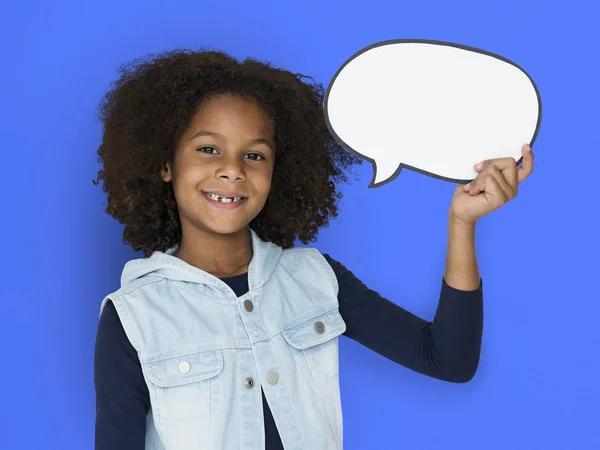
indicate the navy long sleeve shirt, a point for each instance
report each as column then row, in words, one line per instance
column 447, row 348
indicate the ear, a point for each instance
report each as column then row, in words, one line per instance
column 166, row 173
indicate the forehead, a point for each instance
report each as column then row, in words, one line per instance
column 227, row 114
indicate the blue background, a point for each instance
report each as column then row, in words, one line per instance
column 538, row 382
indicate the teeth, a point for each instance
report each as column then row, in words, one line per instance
column 223, row 199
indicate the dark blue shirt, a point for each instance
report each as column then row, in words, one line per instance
column 447, row 348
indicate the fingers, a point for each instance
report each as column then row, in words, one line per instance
column 508, row 168
column 490, row 187
column 504, row 171
column 509, row 189
column 527, row 165
column 500, row 163
column 492, row 182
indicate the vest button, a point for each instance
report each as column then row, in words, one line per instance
column 272, row 378
column 248, row 305
column 249, row 383
column 184, row 367
column 320, row 327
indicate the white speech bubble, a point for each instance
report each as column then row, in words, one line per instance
column 434, row 107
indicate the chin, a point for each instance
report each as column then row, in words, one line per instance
column 227, row 229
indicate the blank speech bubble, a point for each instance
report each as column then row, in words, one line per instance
column 434, row 107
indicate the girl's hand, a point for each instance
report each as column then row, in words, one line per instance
column 496, row 184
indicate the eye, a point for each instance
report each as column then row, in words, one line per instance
column 255, row 156
column 207, row 150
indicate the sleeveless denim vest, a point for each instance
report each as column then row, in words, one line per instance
column 205, row 353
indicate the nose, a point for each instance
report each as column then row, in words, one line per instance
column 231, row 169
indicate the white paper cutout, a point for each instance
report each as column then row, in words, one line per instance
column 435, row 107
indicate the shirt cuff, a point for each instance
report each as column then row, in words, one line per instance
column 452, row 290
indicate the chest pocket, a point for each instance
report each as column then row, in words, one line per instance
column 315, row 340
column 182, row 385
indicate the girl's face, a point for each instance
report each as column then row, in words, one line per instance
column 223, row 167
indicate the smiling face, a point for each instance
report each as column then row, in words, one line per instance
column 223, row 167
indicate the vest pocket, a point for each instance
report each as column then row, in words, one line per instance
column 181, row 385
column 315, row 340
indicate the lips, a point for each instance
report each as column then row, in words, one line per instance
column 224, row 194
column 225, row 197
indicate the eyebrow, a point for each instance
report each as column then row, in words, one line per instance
column 220, row 136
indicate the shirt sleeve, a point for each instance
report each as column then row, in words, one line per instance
column 122, row 397
column 448, row 348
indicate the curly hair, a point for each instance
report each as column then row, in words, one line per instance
column 151, row 104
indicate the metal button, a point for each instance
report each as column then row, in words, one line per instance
column 319, row 326
column 249, row 383
column 248, row 305
column 184, row 367
column 272, row 378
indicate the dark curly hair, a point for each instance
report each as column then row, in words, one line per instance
column 152, row 103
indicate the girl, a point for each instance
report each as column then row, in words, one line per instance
column 224, row 336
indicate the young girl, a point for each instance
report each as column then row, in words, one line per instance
column 225, row 336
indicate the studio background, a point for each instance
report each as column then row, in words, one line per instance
column 537, row 384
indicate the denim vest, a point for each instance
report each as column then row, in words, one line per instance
column 205, row 353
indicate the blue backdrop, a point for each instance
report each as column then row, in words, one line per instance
column 538, row 383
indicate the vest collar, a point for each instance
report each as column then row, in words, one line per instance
column 265, row 256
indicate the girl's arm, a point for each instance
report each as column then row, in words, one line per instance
column 461, row 263
column 122, row 398
column 496, row 184
column 448, row 348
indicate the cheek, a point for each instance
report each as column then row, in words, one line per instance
column 191, row 176
column 185, row 185
column 265, row 181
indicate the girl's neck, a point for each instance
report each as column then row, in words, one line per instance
column 221, row 256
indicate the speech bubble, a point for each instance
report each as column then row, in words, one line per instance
column 434, row 107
